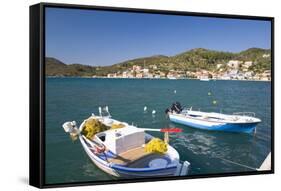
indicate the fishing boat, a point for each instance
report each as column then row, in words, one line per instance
column 171, row 78
column 245, row 122
column 204, row 78
column 122, row 149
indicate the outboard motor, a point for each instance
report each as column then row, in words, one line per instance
column 71, row 128
column 176, row 107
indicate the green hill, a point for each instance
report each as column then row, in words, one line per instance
column 192, row 60
column 55, row 67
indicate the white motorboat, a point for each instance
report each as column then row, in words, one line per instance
column 238, row 122
column 206, row 79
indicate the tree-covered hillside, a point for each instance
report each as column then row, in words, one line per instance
column 192, row 60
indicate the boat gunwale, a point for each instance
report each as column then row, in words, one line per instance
column 110, row 165
column 117, row 166
column 220, row 122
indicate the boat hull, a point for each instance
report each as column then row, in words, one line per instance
column 214, row 126
column 125, row 172
column 141, row 173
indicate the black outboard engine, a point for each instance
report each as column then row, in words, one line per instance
column 176, row 107
column 168, row 110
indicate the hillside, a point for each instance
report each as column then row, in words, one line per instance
column 192, row 60
column 55, row 67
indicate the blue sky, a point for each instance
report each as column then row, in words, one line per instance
column 102, row 38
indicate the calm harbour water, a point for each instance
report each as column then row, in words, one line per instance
column 69, row 99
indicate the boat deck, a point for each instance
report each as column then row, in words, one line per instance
column 133, row 157
column 218, row 117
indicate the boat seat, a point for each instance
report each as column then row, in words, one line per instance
column 130, row 156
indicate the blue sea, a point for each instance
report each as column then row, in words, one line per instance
column 69, row 99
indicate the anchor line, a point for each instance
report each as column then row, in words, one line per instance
column 243, row 165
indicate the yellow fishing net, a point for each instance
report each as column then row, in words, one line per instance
column 156, row 145
column 92, row 127
column 117, row 126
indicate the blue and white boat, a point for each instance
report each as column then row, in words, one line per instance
column 121, row 153
column 245, row 122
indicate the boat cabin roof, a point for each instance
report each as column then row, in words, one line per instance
column 122, row 139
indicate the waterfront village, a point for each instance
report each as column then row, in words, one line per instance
column 234, row 70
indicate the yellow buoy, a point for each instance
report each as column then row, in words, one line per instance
column 117, row 126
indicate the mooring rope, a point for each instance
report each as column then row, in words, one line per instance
column 243, row 165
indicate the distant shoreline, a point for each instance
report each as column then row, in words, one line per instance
column 88, row 77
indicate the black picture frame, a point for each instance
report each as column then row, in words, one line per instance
column 37, row 93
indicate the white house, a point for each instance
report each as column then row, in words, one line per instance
column 136, row 68
column 266, row 55
column 218, row 66
column 145, row 70
column 247, row 64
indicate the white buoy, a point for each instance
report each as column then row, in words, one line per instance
column 153, row 112
column 100, row 111
column 145, row 108
column 175, row 91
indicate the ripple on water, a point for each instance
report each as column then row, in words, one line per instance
column 126, row 100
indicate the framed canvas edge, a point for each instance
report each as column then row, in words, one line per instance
column 35, row 66
column 37, row 57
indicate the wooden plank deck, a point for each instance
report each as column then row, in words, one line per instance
column 130, row 156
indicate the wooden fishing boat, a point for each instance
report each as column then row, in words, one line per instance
column 122, row 152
